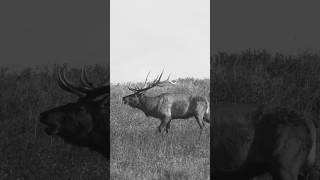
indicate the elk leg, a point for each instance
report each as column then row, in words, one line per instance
column 201, row 125
column 200, row 121
column 164, row 123
column 168, row 126
column 161, row 124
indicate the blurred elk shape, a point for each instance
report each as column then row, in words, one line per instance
column 84, row 122
column 250, row 141
column 168, row 106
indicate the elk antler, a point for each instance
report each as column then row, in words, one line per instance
column 84, row 79
column 154, row 83
column 83, row 90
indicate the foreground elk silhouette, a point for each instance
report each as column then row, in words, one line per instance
column 168, row 106
column 81, row 123
column 249, row 141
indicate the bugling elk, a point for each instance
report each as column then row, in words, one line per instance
column 84, row 122
column 168, row 106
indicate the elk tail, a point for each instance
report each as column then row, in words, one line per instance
column 206, row 117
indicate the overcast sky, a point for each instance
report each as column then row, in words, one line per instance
column 286, row 26
column 46, row 32
column 151, row 35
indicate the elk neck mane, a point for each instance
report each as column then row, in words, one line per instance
column 149, row 105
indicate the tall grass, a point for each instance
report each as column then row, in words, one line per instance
column 139, row 152
column 261, row 77
column 26, row 152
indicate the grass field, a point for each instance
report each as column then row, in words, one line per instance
column 26, row 152
column 139, row 152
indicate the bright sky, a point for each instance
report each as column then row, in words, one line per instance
column 151, row 35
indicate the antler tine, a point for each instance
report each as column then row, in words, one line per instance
column 72, row 85
column 64, row 85
column 171, row 82
column 157, row 82
column 87, row 80
column 132, row 89
column 160, row 76
column 81, row 91
column 161, row 84
column 58, row 77
column 84, row 79
column 154, row 83
column 61, row 83
column 136, row 89
column 146, row 80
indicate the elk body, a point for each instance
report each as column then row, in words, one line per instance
column 84, row 122
column 249, row 141
column 168, row 106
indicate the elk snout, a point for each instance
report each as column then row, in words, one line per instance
column 52, row 126
column 125, row 100
column 42, row 118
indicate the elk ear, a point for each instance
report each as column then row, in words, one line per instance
column 85, row 124
column 101, row 99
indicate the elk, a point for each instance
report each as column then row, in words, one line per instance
column 250, row 140
column 84, row 122
column 168, row 106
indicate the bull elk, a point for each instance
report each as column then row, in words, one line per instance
column 249, row 141
column 168, row 106
column 84, row 122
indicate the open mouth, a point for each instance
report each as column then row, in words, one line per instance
column 51, row 129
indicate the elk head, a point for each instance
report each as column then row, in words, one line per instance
column 134, row 99
column 83, row 122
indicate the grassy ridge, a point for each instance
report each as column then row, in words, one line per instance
column 264, row 78
column 139, row 152
column 26, row 152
